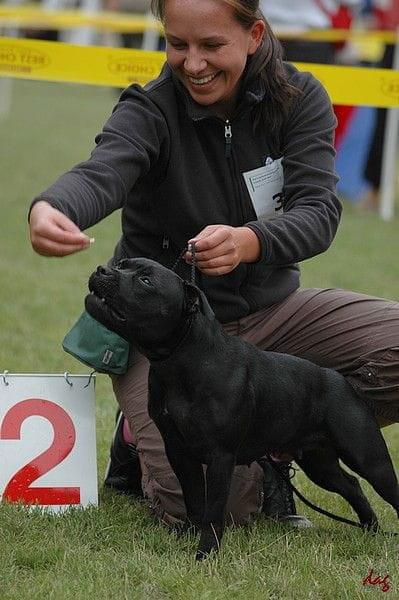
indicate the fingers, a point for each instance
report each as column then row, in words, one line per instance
column 224, row 249
column 211, row 237
column 54, row 234
column 217, row 266
column 46, row 247
column 216, row 252
column 217, row 261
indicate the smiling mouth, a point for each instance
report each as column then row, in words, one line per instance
column 202, row 80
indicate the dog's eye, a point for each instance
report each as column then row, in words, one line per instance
column 145, row 280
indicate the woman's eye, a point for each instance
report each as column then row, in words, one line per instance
column 177, row 45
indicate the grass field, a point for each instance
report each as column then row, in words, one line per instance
column 116, row 551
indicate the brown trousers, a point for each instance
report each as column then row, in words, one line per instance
column 355, row 334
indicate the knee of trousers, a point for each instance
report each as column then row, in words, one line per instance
column 376, row 379
column 165, row 498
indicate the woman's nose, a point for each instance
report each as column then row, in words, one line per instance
column 194, row 63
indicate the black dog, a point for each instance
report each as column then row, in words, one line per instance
column 220, row 401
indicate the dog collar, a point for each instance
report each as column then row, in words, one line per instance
column 166, row 352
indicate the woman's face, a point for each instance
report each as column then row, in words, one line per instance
column 208, row 48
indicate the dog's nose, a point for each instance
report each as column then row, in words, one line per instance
column 103, row 271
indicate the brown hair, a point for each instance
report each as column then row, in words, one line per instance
column 267, row 62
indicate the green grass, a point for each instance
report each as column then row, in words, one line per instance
column 117, row 551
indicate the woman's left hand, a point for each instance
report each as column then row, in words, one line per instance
column 220, row 248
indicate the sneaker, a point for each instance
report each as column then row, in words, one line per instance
column 278, row 500
column 123, row 473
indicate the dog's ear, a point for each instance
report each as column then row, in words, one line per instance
column 196, row 300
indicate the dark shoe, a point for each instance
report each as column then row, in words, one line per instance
column 278, row 501
column 123, row 472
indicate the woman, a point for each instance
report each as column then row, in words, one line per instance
column 233, row 150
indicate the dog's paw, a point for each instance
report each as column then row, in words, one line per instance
column 187, row 528
column 372, row 527
column 209, row 543
column 200, row 555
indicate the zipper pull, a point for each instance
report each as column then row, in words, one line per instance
column 165, row 242
column 227, row 136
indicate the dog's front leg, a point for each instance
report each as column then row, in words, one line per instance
column 188, row 470
column 218, row 481
column 190, row 473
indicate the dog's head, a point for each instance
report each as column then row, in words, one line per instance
column 142, row 301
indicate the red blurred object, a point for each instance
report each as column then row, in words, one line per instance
column 340, row 19
column 344, row 116
column 387, row 18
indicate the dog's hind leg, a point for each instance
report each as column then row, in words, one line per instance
column 322, row 466
column 361, row 446
column 375, row 466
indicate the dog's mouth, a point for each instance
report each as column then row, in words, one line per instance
column 103, row 301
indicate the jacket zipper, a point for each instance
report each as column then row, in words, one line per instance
column 228, row 134
column 227, row 137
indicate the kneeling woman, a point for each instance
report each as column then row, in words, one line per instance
column 231, row 148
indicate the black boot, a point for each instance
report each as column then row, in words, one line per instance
column 123, row 473
column 278, row 501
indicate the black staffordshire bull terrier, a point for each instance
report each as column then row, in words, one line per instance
column 220, row 401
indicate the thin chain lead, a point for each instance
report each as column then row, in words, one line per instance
column 182, row 253
column 193, row 261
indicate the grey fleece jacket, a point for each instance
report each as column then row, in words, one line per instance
column 173, row 167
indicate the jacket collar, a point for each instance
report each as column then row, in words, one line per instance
column 252, row 92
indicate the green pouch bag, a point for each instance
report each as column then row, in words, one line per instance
column 96, row 346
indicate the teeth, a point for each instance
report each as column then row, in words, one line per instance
column 202, row 80
column 102, row 299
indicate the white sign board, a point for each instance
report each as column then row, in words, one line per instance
column 48, row 440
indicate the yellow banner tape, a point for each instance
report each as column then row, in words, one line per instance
column 69, row 19
column 340, row 35
column 118, row 67
column 33, row 16
column 55, row 61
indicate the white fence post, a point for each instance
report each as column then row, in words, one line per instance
column 389, row 158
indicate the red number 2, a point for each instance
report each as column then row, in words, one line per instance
column 18, row 488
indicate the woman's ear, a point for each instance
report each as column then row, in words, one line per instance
column 257, row 34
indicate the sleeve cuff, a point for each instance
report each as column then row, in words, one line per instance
column 264, row 246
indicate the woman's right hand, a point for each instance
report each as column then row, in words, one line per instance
column 54, row 234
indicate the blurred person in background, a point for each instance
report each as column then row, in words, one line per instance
column 296, row 16
column 386, row 14
column 137, row 7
